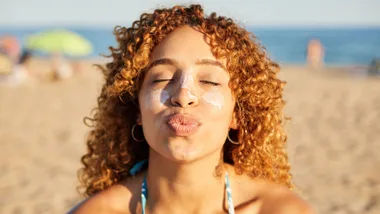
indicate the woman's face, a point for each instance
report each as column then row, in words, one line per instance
column 185, row 102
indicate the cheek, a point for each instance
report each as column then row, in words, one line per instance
column 152, row 104
column 215, row 99
column 156, row 99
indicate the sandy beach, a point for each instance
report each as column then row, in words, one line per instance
column 334, row 140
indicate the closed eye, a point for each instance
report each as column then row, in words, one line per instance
column 210, row 83
column 163, row 80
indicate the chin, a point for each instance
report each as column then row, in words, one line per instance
column 183, row 154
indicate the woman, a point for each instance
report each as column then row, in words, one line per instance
column 188, row 121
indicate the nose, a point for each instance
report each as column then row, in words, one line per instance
column 184, row 98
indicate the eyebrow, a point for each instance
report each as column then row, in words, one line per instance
column 167, row 61
column 210, row 62
column 163, row 61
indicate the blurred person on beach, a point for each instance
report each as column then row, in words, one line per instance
column 315, row 53
column 374, row 68
column 189, row 120
column 6, row 64
column 9, row 53
column 61, row 69
column 20, row 72
column 19, row 62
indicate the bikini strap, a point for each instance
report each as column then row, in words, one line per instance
column 144, row 194
column 137, row 167
column 231, row 208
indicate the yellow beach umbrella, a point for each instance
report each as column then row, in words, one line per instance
column 60, row 41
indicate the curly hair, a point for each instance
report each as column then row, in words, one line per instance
column 253, row 81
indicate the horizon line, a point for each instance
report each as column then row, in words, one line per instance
column 262, row 26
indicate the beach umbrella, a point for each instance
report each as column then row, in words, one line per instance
column 59, row 41
column 10, row 46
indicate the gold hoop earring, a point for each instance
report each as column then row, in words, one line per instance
column 133, row 134
column 233, row 142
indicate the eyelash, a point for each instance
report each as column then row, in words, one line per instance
column 202, row 81
column 162, row 80
column 209, row 82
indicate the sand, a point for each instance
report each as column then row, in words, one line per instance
column 334, row 140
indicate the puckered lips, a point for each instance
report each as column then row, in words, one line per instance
column 183, row 124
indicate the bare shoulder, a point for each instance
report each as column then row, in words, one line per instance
column 281, row 200
column 262, row 197
column 119, row 198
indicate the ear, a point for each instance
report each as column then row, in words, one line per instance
column 234, row 124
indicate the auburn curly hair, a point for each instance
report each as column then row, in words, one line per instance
column 253, row 81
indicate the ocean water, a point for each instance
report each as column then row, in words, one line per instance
column 343, row 46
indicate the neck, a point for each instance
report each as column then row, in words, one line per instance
column 186, row 185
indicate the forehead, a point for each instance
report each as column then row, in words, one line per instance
column 185, row 44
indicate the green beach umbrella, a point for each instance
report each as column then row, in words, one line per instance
column 60, row 41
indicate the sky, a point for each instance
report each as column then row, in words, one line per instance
column 99, row 13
